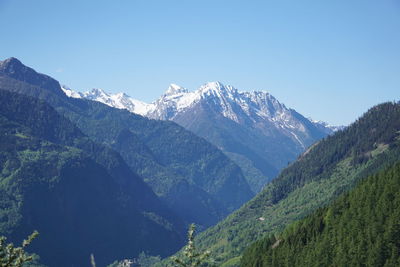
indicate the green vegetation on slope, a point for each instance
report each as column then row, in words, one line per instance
column 183, row 169
column 192, row 257
column 361, row 228
column 79, row 195
column 320, row 175
column 11, row 256
column 186, row 171
column 260, row 149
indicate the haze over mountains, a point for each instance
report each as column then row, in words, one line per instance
column 252, row 128
column 75, row 192
column 326, row 171
column 98, row 178
column 192, row 180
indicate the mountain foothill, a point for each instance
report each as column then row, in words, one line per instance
column 109, row 175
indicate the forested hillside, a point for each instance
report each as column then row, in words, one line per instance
column 361, row 228
column 320, row 175
column 252, row 128
column 196, row 180
column 79, row 195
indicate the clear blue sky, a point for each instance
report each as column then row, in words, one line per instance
column 330, row 60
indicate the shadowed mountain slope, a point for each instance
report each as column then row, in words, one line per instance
column 193, row 177
column 326, row 170
column 80, row 196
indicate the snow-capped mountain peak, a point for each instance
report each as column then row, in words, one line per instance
column 97, row 93
column 217, row 89
column 212, row 86
column 257, row 131
column 121, row 95
column 324, row 125
column 250, row 107
column 118, row 100
column 175, row 89
column 70, row 93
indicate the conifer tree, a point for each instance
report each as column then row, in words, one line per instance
column 11, row 256
column 191, row 257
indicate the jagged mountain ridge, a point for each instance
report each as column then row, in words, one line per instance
column 119, row 100
column 321, row 174
column 195, row 179
column 253, row 128
column 177, row 99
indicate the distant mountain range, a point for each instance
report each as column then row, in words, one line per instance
column 81, row 196
column 326, row 171
column 93, row 178
column 253, row 128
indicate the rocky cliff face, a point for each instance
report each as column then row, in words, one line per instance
column 253, row 128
